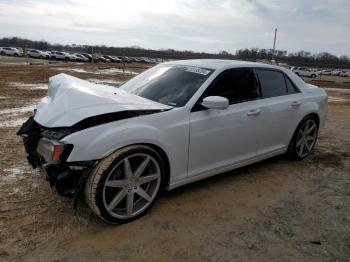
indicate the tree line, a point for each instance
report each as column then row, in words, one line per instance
column 301, row 58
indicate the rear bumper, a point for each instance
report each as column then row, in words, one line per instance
column 68, row 178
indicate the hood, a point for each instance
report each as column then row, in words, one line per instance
column 70, row 100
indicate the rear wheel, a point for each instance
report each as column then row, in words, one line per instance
column 125, row 184
column 304, row 138
column 313, row 76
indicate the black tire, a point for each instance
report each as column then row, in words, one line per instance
column 292, row 152
column 16, row 55
column 2, row 53
column 313, row 76
column 96, row 184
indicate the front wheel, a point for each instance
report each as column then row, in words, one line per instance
column 125, row 184
column 304, row 138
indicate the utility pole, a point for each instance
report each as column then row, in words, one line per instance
column 274, row 45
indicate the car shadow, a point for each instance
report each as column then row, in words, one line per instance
column 213, row 181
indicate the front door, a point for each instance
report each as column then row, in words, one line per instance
column 220, row 138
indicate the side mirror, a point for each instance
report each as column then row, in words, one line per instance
column 215, row 102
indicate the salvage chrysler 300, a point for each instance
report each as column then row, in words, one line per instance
column 175, row 123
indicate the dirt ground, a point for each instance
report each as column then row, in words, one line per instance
column 276, row 210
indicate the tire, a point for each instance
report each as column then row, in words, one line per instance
column 118, row 196
column 2, row 53
column 304, row 138
column 313, row 76
column 16, row 55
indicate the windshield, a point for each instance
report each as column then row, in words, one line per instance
column 172, row 85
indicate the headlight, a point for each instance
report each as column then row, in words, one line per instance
column 52, row 150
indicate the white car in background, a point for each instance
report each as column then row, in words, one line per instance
column 12, row 51
column 303, row 71
column 58, row 55
column 336, row 72
column 176, row 123
column 47, row 54
column 326, row 72
column 345, row 73
column 33, row 53
column 81, row 58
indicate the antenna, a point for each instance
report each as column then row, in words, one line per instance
column 274, row 44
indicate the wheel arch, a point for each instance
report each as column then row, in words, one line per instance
column 313, row 114
column 310, row 114
column 163, row 155
column 165, row 159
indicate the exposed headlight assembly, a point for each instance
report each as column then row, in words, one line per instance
column 53, row 151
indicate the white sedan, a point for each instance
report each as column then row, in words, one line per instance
column 303, row 71
column 12, row 51
column 32, row 53
column 175, row 123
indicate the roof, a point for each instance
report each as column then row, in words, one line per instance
column 219, row 63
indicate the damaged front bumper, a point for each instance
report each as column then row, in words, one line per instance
column 46, row 152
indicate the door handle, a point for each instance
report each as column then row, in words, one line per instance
column 253, row 112
column 296, row 103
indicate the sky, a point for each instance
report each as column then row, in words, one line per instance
column 198, row 25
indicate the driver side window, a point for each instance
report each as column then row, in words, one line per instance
column 237, row 85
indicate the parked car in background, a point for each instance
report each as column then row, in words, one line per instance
column 88, row 56
column 11, row 51
column 326, row 72
column 58, row 55
column 112, row 59
column 33, row 53
column 303, row 71
column 103, row 59
column 47, row 54
column 72, row 57
column 127, row 59
column 345, row 73
column 336, row 72
column 81, row 58
column 171, row 125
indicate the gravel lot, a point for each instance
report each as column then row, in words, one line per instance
column 276, row 210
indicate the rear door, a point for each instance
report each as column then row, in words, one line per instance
column 220, row 138
column 279, row 104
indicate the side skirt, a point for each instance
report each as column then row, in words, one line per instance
column 214, row 172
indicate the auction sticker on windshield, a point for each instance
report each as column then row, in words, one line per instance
column 198, row 70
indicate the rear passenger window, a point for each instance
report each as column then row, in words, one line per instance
column 272, row 83
column 290, row 86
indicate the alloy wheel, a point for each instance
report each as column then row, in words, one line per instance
column 131, row 185
column 306, row 138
